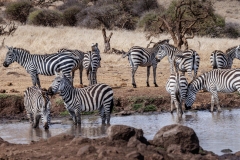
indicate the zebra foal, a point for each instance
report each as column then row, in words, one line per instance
column 214, row 81
column 37, row 105
column 220, row 60
column 91, row 62
column 144, row 57
column 177, row 86
column 41, row 64
column 95, row 97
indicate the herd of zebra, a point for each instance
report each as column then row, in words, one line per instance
column 96, row 96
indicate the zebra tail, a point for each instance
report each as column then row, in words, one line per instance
column 214, row 60
column 126, row 53
column 111, row 107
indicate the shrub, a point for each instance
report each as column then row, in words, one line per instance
column 18, row 11
column 69, row 16
column 149, row 22
column 45, row 17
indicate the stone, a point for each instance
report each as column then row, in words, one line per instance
column 177, row 134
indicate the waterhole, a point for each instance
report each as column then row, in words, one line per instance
column 216, row 131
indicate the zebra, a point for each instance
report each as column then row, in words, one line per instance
column 37, row 104
column 95, row 97
column 91, row 62
column 177, row 86
column 144, row 57
column 214, row 81
column 41, row 64
column 220, row 60
column 78, row 54
column 186, row 61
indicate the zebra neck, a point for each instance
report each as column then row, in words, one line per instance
column 231, row 55
column 66, row 92
column 23, row 58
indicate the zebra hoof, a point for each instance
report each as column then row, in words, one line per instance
column 156, row 85
column 148, row 85
column 134, row 86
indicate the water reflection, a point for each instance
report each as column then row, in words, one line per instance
column 216, row 131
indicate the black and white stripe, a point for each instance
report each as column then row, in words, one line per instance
column 80, row 56
column 46, row 64
column 91, row 62
column 177, row 86
column 217, row 80
column 186, row 61
column 220, row 60
column 144, row 57
column 37, row 104
column 77, row 100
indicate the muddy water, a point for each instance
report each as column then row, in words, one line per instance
column 216, row 131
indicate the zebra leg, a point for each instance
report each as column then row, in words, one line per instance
column 36, row 119
column 80, row 74
column 73, row 72
column 172, row 102
column 72, row 113
column 102, row 114
column 134, row 69
column 35, row 80
column 78, row 116
column 30, row 117
column 148, row 74
column 217, row 102
column 154, row 76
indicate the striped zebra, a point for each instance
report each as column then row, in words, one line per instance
column 177, row 86
column 214, row 81
column 95, row 97
column 37, row 105
column 186, row 61
column 91, row 62
column 220, row 60
column 41, row 64
column 78, row 54
column 144, row 57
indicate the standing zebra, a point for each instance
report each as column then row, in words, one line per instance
column 41, row 64
column 177, row 86
column 186, row 61
column 144, row 57
column 91, row 63
column 218, row 80
column 78, row 54
column 37, row 104
column 94, row 97
column 220, row 60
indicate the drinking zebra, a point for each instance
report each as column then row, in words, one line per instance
column 80, row 56
column 144, row 57
column 186, row 61
column 177, row 86
column 218, row 80
column 91, row 63
column 41, row 64
column 37, row 104
column 220, row 60
column 95, row 97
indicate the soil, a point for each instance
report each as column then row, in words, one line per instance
column 128, row 100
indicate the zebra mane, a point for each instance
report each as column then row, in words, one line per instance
column 161, row 42
column 229, row 49
column 22, row 49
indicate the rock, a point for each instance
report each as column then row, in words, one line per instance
column 226, row 150
column 177, row 134
column 2, row 91
column 117, row 132
column 86, row 150
column 134, row 155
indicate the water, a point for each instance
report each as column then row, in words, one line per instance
column 216, row 131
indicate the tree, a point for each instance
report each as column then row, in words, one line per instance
column 184, row 19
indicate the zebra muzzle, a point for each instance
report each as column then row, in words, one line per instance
column 5, row 64
column 49, row 91
column 46, row 126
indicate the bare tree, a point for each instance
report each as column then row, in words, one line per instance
column 107, row 46
column 182, row 18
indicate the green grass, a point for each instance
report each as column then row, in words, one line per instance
column 64, row 113
column 3, row 95
column 137, row 106
column 149, row 108
column 59, row 101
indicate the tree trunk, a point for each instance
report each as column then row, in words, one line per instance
column 106, row 39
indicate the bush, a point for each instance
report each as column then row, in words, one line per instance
column 18, row 11
column 45, row 17
column 69, row 16
column 149, row 21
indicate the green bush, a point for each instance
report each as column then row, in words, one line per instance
column 150, row 108
column 69, row 16
column 45, row 18
column 149, row 22
column 18, row 11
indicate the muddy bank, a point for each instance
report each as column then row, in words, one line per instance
column 126, row 101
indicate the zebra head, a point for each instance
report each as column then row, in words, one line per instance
column 95, row 47
column 191, row 96
column 161, row 53
column 59, row 83
column 237, row 52
column 10, row 57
